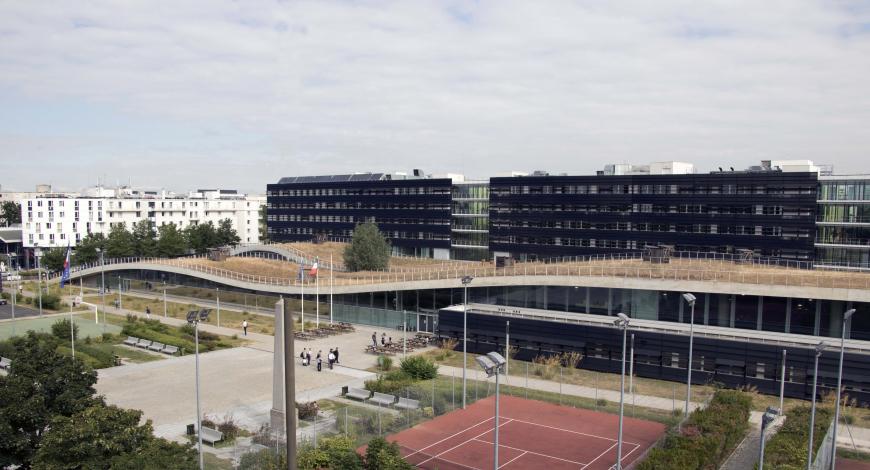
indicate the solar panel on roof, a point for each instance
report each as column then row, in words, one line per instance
column 331, row 178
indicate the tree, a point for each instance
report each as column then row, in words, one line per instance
column 226, row 234
column 171, row 241
column 368, row 249
column 201, row 237
column 86, row 252
column 120, row 242
column 53, row 259
column 10, row 212
column 41, row 384
column 264, row 229
column 144, row 242
column 109, row 437
column 384, row 455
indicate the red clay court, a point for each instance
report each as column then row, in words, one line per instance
column 532, row 434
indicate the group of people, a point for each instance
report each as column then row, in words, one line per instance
column 385, row 340
column 331, row 358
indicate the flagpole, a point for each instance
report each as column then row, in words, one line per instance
column 302, row 298
column 72, row 330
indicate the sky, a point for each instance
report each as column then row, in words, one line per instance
column 236, row 94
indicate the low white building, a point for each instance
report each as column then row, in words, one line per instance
column 54, row 221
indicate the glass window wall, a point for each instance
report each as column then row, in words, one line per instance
column 774, row 311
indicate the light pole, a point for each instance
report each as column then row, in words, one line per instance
column 164, row 300
column 782, row 385
column 103, row 286
column 819, row 348
column 404, row 333
column 690, row 299
column 846, row 316
column 494, row 365
column 621, row 322
column 39, row 278
column 466, row 280
column 194, row 317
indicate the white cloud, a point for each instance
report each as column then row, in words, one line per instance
column 262, row 89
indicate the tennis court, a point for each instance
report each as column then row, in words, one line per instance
column 532, row 434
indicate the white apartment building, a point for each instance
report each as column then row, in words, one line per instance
column 49, row 221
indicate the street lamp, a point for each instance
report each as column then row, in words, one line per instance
column 622, row 321
column 819, row 348
column 846, row 316
column 194, row 317
column 690, row 299
column 466, row 280
column 493, row 364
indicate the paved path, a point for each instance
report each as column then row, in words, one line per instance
column 745, row 455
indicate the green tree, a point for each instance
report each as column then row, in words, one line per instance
column 120, row 242
column 41, row 384
column 201, row 237
column 384, row 455
column 226, row 234
column 108, row 437
column 171, row 241
column 264, row 229
column 337, row 453
column 144, row 241
column 87, row 252
column 368, row 249
column 10, row 213
column 53, row 259
column 61, row 329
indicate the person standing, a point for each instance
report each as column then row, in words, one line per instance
column 336, row 355
column 148, row 312
column 245, row 326
column 319, row 363
column 383, row 339
column 302, row 356
column 308, row 357
column 330, row 358
column 375, row 339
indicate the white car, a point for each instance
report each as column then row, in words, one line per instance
column 2, row 301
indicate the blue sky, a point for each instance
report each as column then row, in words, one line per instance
column 237, row 94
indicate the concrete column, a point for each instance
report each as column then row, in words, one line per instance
column 788, row 315
column 760, row 315
column 586, row 310
column 818, row 317
column 277, row 411
column 706, row 309
column 680, row 316
column 732, row 301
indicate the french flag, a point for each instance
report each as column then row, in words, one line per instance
column 313, row 271
column 64, row 278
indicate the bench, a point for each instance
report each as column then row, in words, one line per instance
column 131, row 341
column 156, row 347
column 168, row 349
column 408, row 404
column 210, row 435
column 144, row 343
column 383, row 399
column 358, row 393
column 5, row 362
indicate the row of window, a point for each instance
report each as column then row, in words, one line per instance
column 756, row 209
column 658, row 227
column 390, row 234
column 350, row 219
column 776, row 188
column 844, row 213
column 621, row 244
column 430, row 206
column 394, row 191
column 858, row 190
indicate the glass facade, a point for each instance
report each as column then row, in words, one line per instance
column 469, row 223
column 750, row 312
column 843, row 224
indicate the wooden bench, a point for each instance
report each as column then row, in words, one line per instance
column 156, row 347
column 408, row 404
column 211, row 436
column 144, row 343
column 131, row 341
column 358, row 393
column 383, row 399
column 5, row 362
column 169, row 349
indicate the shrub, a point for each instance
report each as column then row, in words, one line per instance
column 782, row 449
column 61, row 329
column 390, row 382
column 132, row 318
column 419, row 368
column 51, row 302
column 708, row 436
column 384, row 455
column 385, row 363
column 307, row 410
column 228, row 427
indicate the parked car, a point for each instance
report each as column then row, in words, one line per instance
column 2, row 301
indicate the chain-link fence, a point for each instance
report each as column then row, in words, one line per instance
column 822, row 460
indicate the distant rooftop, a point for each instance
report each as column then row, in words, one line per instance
column 331, row 178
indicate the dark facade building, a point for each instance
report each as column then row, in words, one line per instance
column 413, row 213
column 772, row 213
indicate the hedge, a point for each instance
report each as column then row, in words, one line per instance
column 707, row 437
column 143, row 331
column 788, row 448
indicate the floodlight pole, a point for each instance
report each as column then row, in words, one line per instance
column 507, row 348
column 331, row 268
column 38, row 254
column 813, row 408
column 103, row 286
column 495, row 446
column 689, row 366
column 782, row 385
column 404, row 333
column 465, row 281
column 624, row 324
column 218, row 301
column 198, row 408
column 846, row 316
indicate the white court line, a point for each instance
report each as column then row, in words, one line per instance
column 448, row 437
column 573, row 432
column 530, row 452
column 461, row 444
column 602, row 455
column 511, row 460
